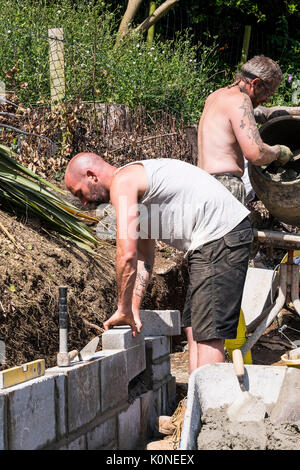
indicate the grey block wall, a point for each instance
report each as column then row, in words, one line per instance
column 85, row 405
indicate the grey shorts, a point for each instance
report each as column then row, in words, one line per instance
column 234, row 184
column 217, row 276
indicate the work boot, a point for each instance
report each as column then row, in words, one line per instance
column 164, row 425
column 172, row 425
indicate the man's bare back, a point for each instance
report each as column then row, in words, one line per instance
column 218, row 149
column 227, row 130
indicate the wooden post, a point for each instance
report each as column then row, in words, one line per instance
column 246, row 41
column 57, row 66
column 150, row 32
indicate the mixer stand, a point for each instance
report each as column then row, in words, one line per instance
column 288, row 287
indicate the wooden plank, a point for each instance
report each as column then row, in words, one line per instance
column 20, row 374
column 57, row 66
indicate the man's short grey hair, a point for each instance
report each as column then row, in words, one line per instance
column 261, row 67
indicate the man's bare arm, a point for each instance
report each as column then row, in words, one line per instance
column 146, row 252
column 126, row 188
column 248, row 137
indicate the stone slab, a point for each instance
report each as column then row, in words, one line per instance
column 161, row 322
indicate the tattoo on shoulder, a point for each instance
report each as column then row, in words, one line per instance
column 248, row 123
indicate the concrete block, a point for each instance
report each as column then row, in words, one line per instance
column 114, row 379
column 161, row 322
column 161, row 371
column 102, row 435
column 155, row 410
column 157, row 347
column 83, row 394
column 3, row 421
column 60, row 400
column 120, row 337
column 78, row 444
column 164, row 399
column 31, row 414
column 136, row 360
column 146, row 403
column 257, row 295
column 171, row 391
column 129, row 427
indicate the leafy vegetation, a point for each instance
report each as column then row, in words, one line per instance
column 22, row 188
column 174, row 75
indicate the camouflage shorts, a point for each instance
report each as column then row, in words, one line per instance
column 234, row 184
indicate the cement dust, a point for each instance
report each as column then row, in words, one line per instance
column 219, row 433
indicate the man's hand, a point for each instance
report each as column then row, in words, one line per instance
column 123, row 318
column 285, row 155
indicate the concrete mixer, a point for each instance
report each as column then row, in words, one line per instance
column 281, row 197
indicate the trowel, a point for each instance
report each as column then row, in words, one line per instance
column 86, row 353
column 246, row 407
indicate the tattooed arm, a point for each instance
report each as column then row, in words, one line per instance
column 146, row 251
column 247, row 134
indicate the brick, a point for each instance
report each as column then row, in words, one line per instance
column 129, row 427
column 31, row 417
column 161, row 322
column 83, row 394
column 120, row 337
column 114, row 379
column 157, row 347
column 102, row 435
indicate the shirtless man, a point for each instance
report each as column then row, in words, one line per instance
column 228, row 131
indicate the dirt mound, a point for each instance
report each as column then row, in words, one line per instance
column 34, row 263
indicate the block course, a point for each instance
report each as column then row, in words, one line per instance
column 85, row 405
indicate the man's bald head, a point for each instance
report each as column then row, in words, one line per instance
column 78, row 166
column 88, row 177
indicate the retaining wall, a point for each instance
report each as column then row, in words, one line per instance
column 110, row 402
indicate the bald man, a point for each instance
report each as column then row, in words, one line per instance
column 189, row 209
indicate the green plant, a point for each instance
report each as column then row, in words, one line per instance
column 24, row 189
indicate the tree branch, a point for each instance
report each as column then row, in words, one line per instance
column 161, row 11
column 131, row 10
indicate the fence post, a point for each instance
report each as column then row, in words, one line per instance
column 246, row 41
column 57, row 66
column 150, row 32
